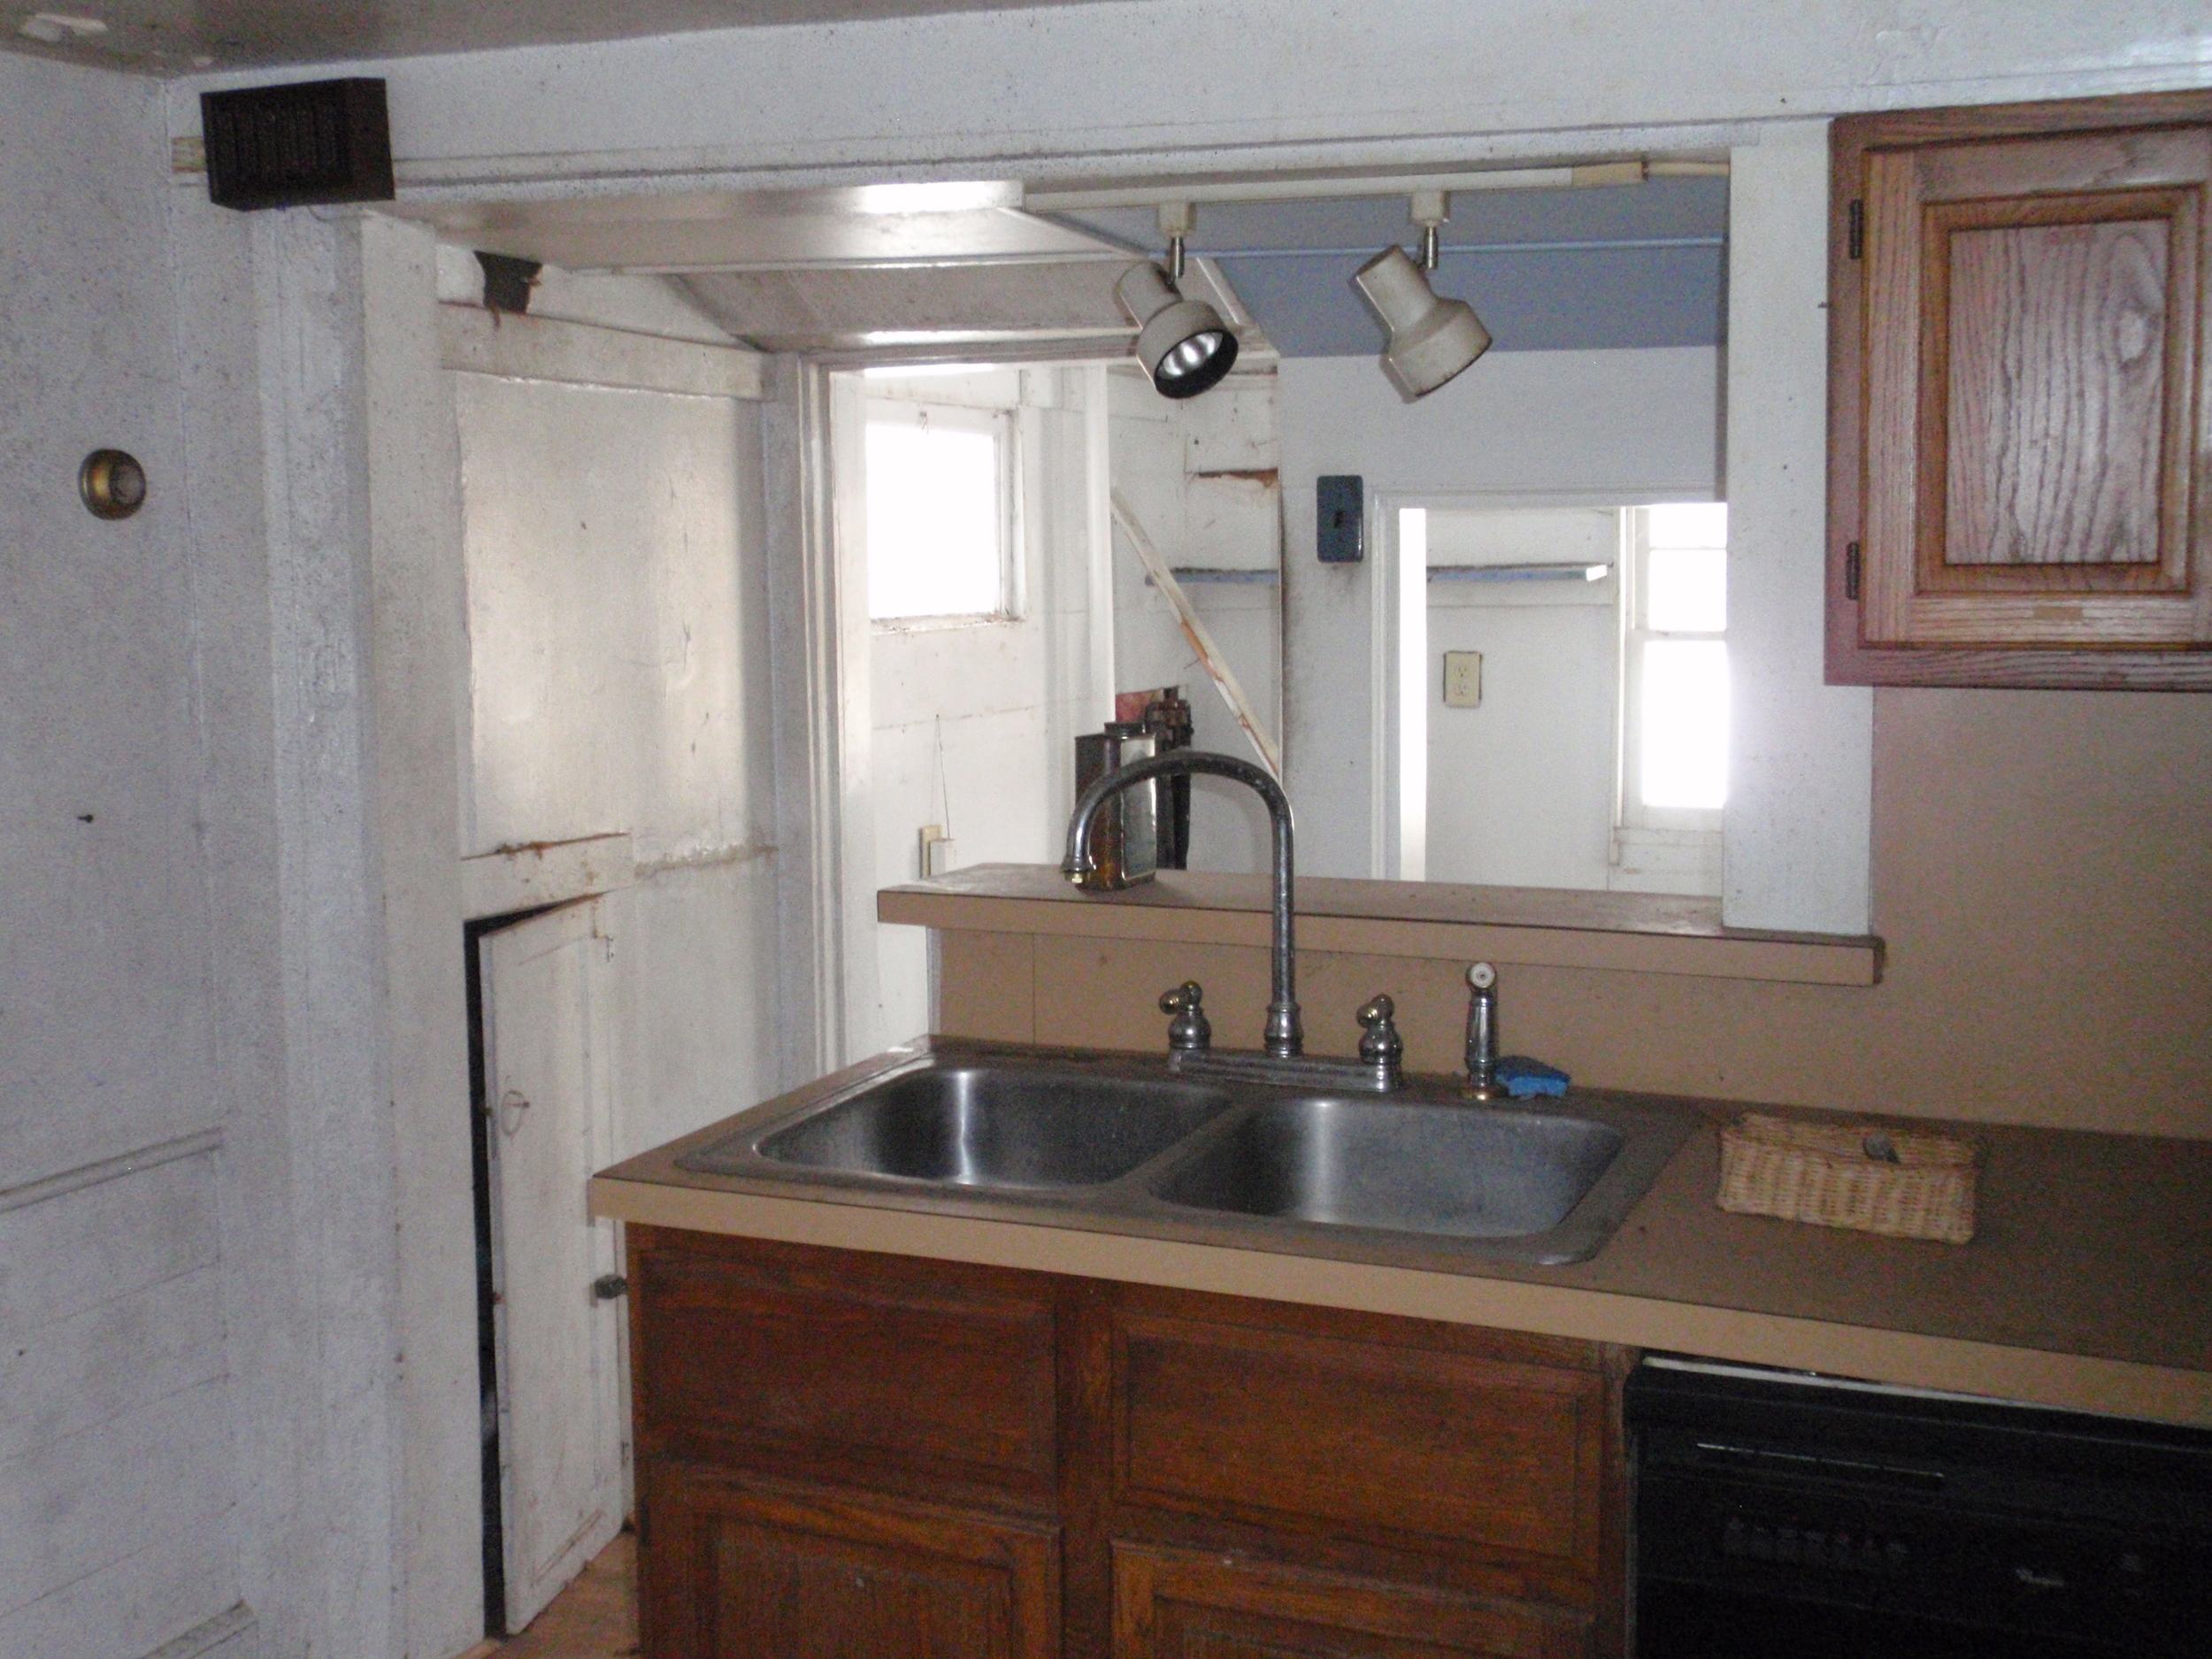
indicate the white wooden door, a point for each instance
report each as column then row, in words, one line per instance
column 548, row 995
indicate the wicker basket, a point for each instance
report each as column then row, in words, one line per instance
column 1901, row 1185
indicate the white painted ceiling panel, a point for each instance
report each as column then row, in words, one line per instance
column 877, row 225
column 184, row 36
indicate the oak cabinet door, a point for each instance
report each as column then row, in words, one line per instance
column 1173, row 1604
column 743, row 1568
column 2020, row 408
column 1406, row 1444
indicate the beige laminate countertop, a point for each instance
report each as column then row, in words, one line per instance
column 2088, row 1285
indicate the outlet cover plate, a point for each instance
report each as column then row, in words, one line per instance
column 1462, row 679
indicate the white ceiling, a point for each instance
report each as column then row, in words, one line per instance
column 769, row 230
column 185, row 36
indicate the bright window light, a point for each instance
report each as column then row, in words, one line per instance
column 1686, row 590
column 1685, row 724
column 1674, row 758
column 934, row 521
column 1686, row 524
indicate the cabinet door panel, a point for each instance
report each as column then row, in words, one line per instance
column 2048, row 346
column 1397, row 1441
column 844, row 1354
column 1174, row 1605
column 745, row 1569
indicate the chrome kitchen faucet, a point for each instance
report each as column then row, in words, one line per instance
column 1284, row 1059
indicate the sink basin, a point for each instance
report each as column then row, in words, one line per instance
column 1125, row 1145
column 1463, row 1171
column 987, row 1127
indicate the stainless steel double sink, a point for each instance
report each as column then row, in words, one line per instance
column 1124, row 1140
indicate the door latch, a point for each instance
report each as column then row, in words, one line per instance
column 607, row 1287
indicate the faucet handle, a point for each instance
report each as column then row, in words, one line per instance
column 1381, row 1045
column 1190, row 1030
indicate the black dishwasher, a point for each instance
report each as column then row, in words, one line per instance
column 1778, row 1513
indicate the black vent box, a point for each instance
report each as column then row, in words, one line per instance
column 319, row 141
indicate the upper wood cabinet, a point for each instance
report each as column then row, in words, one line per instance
column 2020, row 403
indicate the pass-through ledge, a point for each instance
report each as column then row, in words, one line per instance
column 1633, row 932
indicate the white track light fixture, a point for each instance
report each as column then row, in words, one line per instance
column 1184, row 345
column 1431, row 338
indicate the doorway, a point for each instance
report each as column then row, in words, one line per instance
column 1559, row 699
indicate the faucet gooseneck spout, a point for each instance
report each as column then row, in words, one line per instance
column 1285, row 1037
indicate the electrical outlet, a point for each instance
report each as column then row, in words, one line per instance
column 936, row 851
column 1462, row 679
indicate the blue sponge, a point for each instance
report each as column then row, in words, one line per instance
column 1524, row 1079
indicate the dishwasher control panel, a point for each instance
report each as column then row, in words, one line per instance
column 1848, row 1522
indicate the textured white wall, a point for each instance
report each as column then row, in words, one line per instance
column 418, row 657
column 118, row 1487
column 105, row 1029
column 613, row 682
column 1798, row 826
column 618, row 674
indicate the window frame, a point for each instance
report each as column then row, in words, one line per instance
column 1000, row 426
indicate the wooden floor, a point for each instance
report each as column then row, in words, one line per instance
column 595, row 1617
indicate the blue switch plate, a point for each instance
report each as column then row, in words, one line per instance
column 1340, row 534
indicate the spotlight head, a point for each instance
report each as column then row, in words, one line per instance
column 1431, row 338
column 1184, row 345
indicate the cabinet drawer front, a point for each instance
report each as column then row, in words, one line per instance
column 743, row 1569
column 1169, row 1604
column 1388, row 1439
column 844, row 1354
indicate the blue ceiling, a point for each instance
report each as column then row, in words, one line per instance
column 1621, row 266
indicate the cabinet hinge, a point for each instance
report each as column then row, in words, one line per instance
column 1858, row 229
column 1851, row 571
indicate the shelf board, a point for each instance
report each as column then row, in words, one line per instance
column 1633, row 932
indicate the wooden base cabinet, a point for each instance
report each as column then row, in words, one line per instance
column 878, row 1457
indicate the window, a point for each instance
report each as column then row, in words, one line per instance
column 939, row 513
column 1674, row 669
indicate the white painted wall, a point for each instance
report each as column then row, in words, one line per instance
column 1521, row 428
column 119, row 1484
column 1520, row 790
column 607, row 628
column 618, row 661
column 1796, row 832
